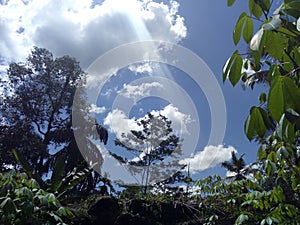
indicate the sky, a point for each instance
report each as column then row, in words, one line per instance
column 145, row 56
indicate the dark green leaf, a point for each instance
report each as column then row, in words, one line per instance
column 233, row 68
column 275, row 43
column 230, row 2
column 270, row 167
column 273, row 72
column 244, row 24
column 276, row 98
column 21, row 158
column 248, row 29
column 241, row 219
column 8, row 206
column 261, row 153
column 255, row 9
column 238, row 28
column 282, row 153
column 255, row 123
column 236, row 68
column 262, row 98
column 272, row 157
column 58, row 173
column 291, row 115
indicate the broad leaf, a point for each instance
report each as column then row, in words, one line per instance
column 256, row 123
column 255, row 9
column 58, row 173
column 241, row 219
column 262, row 98
column 248, row 29
column 244, row 24
column 283, row 94
column 233, row 68
column 238, row 28
column 275, row 43
column 230, row 2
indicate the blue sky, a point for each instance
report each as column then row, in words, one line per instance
column 87, row 30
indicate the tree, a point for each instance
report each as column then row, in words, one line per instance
column 151, row 145
column 36, row 114
column 236, row 165
column 274, row 58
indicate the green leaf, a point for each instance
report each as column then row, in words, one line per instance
column 8, row 206
column 269, row 167
column 276, row 98
column 238, row 28
column 233, row 68
column 244, row 24
column 261, row 153
column 290, row 133
column 265, row 4
column 272, row 156
column 58, row 173
column 241, row 219
column 280, row 127
column 230, row 2
column 248, row 29
column 262, row 98
column 273, row 72
column 256, row 123
column 275, row 43
column 282, row 153
column 292, row 9
column 291, row 115
column 255, row 9
column 21, row 158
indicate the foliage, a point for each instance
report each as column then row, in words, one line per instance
column 36, row 124
column 151, row 145
column 237, row 166
column 22, row 201
column 274, row 58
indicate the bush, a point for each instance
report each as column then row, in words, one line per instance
column 22, row 201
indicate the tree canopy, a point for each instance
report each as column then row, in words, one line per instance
column 36, row 121
column 151, row 145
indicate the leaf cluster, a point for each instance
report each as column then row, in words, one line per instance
column 22, row 201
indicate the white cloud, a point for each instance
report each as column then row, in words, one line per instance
column 179, row 120
column 141, row 68
column 84, row 31
column 136, row 92
column 209, row 157
column 96, row 109
column 119, row 123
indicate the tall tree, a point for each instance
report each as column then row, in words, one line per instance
column 36, row 113
column 151, row 145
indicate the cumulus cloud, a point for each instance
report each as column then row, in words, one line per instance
column 119, row 123
column 209, row 157
column 97, row 109
column 82, row 29
column 179, row 120
column 142, row 68
column 136, row 92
